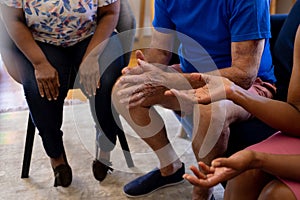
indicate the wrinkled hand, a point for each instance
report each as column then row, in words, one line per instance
column 222, row 169
column 90, row 75
column 140, row 82
column 47, row 81
column 145, row 73
column 216, row 88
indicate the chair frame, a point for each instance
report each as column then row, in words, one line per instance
column 30, row 140
column 127, row 17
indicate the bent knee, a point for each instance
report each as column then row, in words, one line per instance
column 276, row 190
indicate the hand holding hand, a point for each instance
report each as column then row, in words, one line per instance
column 144, row 73
column 140, row 82
column 148, row 80
column 215, row 88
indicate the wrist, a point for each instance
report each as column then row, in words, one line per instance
column 39, row 63
column 258, row 159
column 232, row 92
column 195, row 80
column 91, row 57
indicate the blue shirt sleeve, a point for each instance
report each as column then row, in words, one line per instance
column 161, row 17
column 249, row 20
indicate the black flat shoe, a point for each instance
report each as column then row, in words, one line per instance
column 101, row 168
column 62, row 175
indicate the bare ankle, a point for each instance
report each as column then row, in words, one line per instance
column 171, row 169
column 57, row 161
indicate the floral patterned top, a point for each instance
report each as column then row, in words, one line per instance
column 60, row 22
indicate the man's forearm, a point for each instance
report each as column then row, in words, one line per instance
column 240, row 77
column 246, row 57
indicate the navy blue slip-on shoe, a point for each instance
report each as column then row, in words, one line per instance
column 152, row 181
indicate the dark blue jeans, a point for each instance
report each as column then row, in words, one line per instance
column 48, row 115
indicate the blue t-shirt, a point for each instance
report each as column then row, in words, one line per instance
column 206, row 29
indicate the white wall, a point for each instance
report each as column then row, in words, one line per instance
column 135, row 5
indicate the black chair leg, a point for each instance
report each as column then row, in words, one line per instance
column 29, row 145
column 28, row 148
column 125, row 148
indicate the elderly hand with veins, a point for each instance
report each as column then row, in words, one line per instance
column 147, row 80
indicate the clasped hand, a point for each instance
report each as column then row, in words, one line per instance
column 214, row 88
column 142, row 81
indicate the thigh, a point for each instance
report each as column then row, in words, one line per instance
column 247, row 185
column 21, row 69
column 110, row 63
column 102, row 104
column 276, row 190
column 111, row 59
column 60, row 58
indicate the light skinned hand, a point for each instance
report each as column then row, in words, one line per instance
column 140, row 82
column 130, row 93
column 143, row 73
column 47, row 81
column 135, row 70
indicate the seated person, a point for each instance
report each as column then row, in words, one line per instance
column 269, row 169
column 216, row 45
column 47, row 55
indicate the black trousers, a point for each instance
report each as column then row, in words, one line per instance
column 48, row 115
